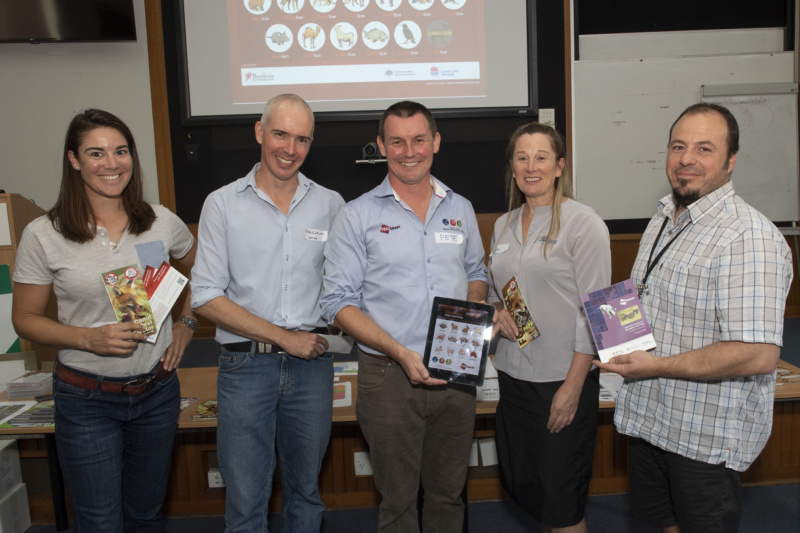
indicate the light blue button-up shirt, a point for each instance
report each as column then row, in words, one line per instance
column 383, row 260
column 258, row 257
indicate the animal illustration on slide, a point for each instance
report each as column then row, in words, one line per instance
column 279, row 37
column 287, row 5
column 256, row 5
column 375, row 34
column 309, row 34
column 343, row 37
column 408, row 34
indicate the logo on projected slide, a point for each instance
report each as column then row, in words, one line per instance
column 255, row 78
column 434, row 71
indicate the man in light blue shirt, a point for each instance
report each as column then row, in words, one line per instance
column 258, row 276
column 391, row 252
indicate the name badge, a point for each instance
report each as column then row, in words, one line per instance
column 448, row 238
column 316, row 235
column 500, row 248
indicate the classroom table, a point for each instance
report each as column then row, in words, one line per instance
column 201, row 383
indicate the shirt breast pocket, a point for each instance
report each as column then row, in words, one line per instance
column 688, row 293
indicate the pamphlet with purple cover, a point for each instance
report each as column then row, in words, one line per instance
column 617, row 320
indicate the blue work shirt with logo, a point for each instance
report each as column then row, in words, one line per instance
column 383, row 260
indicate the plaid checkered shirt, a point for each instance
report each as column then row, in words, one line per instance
column 725, row 278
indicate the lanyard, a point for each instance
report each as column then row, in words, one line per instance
column 642, row 287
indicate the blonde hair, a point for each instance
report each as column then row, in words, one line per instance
column 563, row 185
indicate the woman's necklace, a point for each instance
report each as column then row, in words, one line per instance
column 112, row 243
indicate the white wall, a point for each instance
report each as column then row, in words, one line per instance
column 43, row 86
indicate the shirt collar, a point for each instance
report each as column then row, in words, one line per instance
column 303, row 186
column 303, row 183
column 385, row 188
column 699, row 208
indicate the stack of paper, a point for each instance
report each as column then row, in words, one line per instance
column 31, row 384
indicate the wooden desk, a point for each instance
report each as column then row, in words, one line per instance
column 201, row 383
column 188, row 493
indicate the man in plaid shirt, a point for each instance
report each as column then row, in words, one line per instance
column 713, row 276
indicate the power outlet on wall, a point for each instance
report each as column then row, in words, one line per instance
column 363, row 463
column 215, row 480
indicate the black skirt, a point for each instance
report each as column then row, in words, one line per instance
column 547, row 474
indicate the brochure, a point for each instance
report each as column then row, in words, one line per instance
column 342, row 394
column 516, row 306
column 163, row 287
column 206, row 410
column 490, row 390
column 39, row 415
column 617, row 320
column 610, row 385
column 129, row 297
column 9, row 410
column 186, row 402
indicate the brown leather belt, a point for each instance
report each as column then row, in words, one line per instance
column 376, row 356
column 131, row 387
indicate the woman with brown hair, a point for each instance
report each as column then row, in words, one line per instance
column 116, row 394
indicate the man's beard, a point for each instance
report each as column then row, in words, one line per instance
column 684, row 199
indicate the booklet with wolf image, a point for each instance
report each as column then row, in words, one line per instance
column 617, row 320
column 516, row 306
column 129, row 297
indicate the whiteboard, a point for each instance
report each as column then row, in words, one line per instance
column 623, row 111
column 766, row 167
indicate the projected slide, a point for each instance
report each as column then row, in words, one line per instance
column 356, row 49
column 358, row 55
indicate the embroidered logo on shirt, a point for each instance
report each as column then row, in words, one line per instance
column 551, row 241
column 451, row 222
column 387, row 229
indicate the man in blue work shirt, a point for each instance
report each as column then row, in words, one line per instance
column 391, row 252
column 258, row 276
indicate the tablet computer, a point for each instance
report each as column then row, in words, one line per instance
column 459, row 334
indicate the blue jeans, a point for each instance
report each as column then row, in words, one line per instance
column 115, row 452
column 264, row 400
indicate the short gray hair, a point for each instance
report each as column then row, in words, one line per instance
column 288, row 97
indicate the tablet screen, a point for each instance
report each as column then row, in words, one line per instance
column 459, row 334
